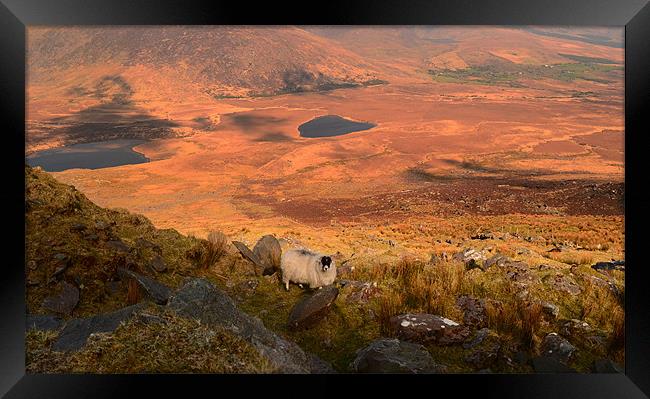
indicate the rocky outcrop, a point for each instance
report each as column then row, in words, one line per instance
column 556, row 347
column 394, row 356
column 64, row 301
column 268, row 252
column 76, row 331
column 200, row 299
column 43, row 322
column 613, row 265
column 428, row 328
column 158, row 292
column 472, row 258
column 473, row 311
column 309, row 311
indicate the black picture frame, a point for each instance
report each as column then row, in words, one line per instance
column 15, row 15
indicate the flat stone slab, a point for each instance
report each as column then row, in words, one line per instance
column 395, row 356
column 249, row 255
column 43, row 322
column 64, row 301
column 200, row 299
column 155, row 290
column 76, row 331
column 428, row 328
column 312, row 309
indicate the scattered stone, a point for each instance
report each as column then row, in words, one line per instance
column 158, row 264
column 32, row 265
column 142, row 243
column 43, row 322
column 33, row 281
column 482, row 236
column 78, row 227
column 544, row 267
column 556, row 347
column 76, row 331
column 309, row 311
column 91, row 237
column 478, row 338
column 485, row 355
column 362, row 292
column 473, row 311
column 563, row 283
column 246, row 289
column 64, row 301
column 394, row 356
column 248, row 254
column 428, row 328
column 613, row 265
column 118, row 245
column 551, row 310
column 158, row 292
column 269, row 252
column 101, row 225
column 496, row 260
column 201, row 300
column 471, row 257
column 544, row 364
column 607, row 366
column 574, row 327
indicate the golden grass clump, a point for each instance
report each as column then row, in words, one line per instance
column 518, row 318
column 213, row 249
column 133, row 292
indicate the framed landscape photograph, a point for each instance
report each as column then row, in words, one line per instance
column 418, row 194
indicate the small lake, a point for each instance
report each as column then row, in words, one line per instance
column 102, row 154
column 331, row 125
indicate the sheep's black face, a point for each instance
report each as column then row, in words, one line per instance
column 326, row 261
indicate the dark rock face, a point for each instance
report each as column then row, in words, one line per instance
column 142, row 243
column 544, row 364
column 485, row 348
column 248, row 254
column 200, row 299
column 474, row 311
column 158, row 292
column 556, row 347
column 76, row 331
column 319, row 366
column 269, row 252
column 43, row 322
column 118, row 245
column 394, row 356
column 309, row 311
column 158, row 264
column 613, row 265
column 64, row 301
column 428, row 328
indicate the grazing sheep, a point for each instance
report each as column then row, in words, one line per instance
column 305, row 267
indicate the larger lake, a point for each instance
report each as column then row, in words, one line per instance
column 102, row 154
column 331, row 125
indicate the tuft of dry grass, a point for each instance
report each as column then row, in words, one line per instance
column 213, row 249
column 518, row 318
